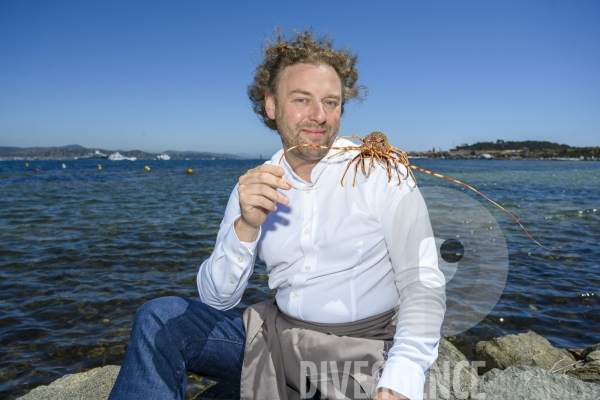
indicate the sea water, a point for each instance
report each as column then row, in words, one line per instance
column 81, row 249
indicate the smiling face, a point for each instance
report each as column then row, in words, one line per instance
column 307, row 110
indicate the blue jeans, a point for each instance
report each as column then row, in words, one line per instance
column 171, row 336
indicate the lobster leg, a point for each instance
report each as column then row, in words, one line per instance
column 352, row 136
column 362, row 161
column 346, row 170
column 342, row 150
column 388, row 168
column 395, row 161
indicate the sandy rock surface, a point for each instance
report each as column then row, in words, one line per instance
column 451, row 377
column 527, row 383
column 94, row 384
column 588, row 370
column 529, row 349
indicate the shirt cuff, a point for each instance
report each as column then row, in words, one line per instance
column 403, row 376
column 228, row 276
column 250, row 246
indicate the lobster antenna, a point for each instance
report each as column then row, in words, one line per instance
column 485, row 197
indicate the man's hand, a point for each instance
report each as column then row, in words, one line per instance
column 258, row 194
column 387, row 394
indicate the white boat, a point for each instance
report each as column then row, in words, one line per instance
column 163, row 156
column 118, row 157
column 96, row 154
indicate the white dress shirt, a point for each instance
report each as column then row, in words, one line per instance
column 340, row 254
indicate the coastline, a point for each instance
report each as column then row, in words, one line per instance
column 417, row 157
column 485, row 155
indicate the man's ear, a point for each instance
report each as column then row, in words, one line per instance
column 270, row 106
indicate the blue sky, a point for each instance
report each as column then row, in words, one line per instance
column 172, row 75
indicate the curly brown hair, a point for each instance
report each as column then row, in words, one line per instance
column 301, row 48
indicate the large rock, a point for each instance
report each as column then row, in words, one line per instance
column 593, row 356
column 94, row 384
column 529, row 349
column 97, row 383
column 591, row 349
column 526, row 383
column 588, row 372
column 451, row 376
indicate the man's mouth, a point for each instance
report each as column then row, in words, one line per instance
column 314, row 133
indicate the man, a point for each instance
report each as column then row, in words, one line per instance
column 338, row 255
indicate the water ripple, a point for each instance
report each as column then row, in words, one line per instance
column 82, row 249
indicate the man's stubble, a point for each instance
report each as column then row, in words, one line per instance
column 305, row 152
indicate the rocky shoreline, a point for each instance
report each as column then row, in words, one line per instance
column 512, row 367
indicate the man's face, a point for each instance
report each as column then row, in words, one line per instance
column 308, row 108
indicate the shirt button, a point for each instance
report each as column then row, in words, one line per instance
column 307, row 268
column 307, row 191
column 307, row 231
column 232, row 281
column 295, row 296
column 240, row 259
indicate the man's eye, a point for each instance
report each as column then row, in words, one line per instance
column 301, row 101
column 331, row 103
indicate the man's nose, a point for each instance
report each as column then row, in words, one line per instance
column 317, row 113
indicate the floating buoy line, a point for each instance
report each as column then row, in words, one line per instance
column 99, row 167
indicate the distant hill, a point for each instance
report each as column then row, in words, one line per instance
column 529, row 149
column 77, row 151
column 64, row 152
column 532, row 145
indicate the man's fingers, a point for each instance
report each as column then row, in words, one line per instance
column 262, row 191
column 254, row 201
column 266, row 204
column 271, row 180
column 265, row 178
column 258, row 193
column 273, row 195
column 272, row 169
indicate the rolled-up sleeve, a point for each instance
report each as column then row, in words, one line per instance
column 223, row 277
